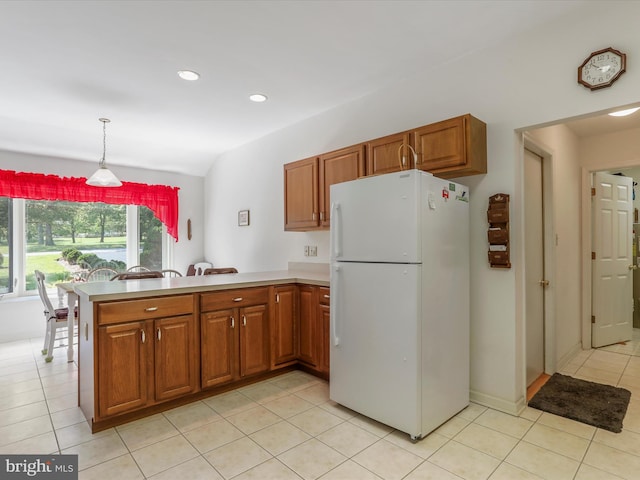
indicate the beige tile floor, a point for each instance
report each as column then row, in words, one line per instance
column 287, row 428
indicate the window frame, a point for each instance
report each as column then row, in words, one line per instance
column 18, row 259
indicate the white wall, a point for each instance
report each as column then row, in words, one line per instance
column 531, row 81
column 190, row 196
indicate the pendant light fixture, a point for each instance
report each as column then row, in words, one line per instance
column 103, row 176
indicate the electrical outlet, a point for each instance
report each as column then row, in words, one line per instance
column 306, row 250
column 313, row 251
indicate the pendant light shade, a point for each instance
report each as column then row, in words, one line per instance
column 103, row 176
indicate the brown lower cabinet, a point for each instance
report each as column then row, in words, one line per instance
column 284, row 325
column 324, row 323
column 234, row 337
column 314, row 328
column 148, row 352
column 147, row 361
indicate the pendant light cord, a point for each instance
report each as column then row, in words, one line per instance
column 104, row 141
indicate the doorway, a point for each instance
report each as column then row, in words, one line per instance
column 535, row 281
column 612, row 259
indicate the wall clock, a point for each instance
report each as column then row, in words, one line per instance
column 602, row 68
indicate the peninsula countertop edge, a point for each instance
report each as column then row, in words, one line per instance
column 156, row 287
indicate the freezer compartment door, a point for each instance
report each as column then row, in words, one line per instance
column 376, row 219
column 375, row 336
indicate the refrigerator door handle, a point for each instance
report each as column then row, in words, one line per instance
column 333, row 304
column 335, row 230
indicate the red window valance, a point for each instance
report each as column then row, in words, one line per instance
column 162, row 200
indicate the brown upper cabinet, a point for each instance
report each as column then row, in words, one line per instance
column 301, row 194
column 387, row 154
column 452, row 148
column 449, row 149
column 307, row 203
column 337, row 167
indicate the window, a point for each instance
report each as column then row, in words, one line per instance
column 65, row 240
column 6, row 246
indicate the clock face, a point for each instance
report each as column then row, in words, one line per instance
column 601, row 68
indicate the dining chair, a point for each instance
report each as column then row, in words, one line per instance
column 215, row 271
column 138, row 275
column 170, row 273
column 198, row 268
column 54, row 317
column 138, row 268
column 101, row 274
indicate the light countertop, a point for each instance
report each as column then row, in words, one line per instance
column 153, row 287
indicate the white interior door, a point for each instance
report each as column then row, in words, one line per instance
column 534, row 265
column 612, row 281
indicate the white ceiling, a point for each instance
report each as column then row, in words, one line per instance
column 66, row 63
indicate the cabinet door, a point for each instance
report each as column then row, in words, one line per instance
column 307, row 338
column 337, row 167
column 323, row 319
column 387, row 154
column 254, row 340
column 284, row 345
column 175, row 367
column 124, row 366
column 453, row 147
column 218, row 347
column 301, row 194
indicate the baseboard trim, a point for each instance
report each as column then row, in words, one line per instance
column 512, row 408
column 567, row 357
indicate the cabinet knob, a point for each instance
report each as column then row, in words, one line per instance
column 233, row 322
column 327, row 296
column 151, row 309
column 244, row 321
column 159, row 334
column 238, row 299
column 143, row 336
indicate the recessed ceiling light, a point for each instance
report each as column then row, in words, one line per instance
column 624, row 113
column 188, row 75
column 257, row 97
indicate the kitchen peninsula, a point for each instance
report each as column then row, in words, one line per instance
column 149, row 345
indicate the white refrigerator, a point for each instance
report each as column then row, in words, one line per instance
column 400, row 299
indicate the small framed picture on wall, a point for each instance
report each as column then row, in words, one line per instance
column 243, row 218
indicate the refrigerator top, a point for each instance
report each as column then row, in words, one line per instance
column 395, row 218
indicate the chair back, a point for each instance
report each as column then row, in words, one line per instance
column 170, row 273
column 42, row 292
column 101, row 274
column 198, row 268
column 138, row 275
column 138, row 268
column 215, row 271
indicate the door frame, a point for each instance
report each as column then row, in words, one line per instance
column 549, row 242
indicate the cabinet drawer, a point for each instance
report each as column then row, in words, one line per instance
column 233, row 298
column 323, row 296
column 125, row 311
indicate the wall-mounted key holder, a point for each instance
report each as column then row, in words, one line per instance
column 498, row 233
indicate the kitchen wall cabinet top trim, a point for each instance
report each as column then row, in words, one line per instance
column 152, row 287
